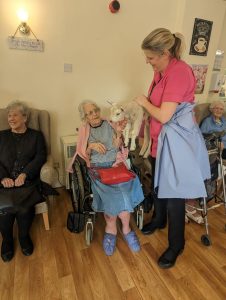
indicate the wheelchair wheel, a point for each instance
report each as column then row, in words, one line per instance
column 206, row 240
column 140, row 222
column 77, row 187
column 89, row 231
column 140, row 217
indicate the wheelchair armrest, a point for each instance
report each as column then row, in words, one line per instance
column 47, row 171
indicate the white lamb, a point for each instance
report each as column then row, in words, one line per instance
column 135, row 115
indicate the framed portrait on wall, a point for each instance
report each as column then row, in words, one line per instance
column 200, row 37
column 200, row 72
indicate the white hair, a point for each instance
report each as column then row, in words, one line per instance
column 215, row 103
column 18, row 105
column 81, row 108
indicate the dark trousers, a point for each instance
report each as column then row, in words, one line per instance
column 174, row 209
column 24, row 222
column 224, row 154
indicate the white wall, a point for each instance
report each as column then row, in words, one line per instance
column 104, row 49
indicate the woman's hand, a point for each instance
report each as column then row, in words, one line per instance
column 20, row 179
column 98, row 147
column 7, row 182
column 141, row 100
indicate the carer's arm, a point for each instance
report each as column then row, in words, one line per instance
column 163, row 113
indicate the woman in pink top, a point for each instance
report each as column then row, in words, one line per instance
column 172, row 85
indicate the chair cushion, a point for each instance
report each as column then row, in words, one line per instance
column 3, row 119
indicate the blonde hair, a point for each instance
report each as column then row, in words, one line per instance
column 215, row 103
column 162, row 39
column 81, row 108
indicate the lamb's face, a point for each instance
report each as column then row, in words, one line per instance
column 117, row 114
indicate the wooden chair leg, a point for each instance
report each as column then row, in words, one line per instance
column 46, row 220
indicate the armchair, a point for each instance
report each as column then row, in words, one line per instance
column 39, row 120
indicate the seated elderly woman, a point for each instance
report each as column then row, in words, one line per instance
column 99, row 145
column 216, row 122
column 22, row 154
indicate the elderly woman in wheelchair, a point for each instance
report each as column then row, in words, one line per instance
column 100, row 144
column 216, row 122
column 22, row 154
column 213, row 127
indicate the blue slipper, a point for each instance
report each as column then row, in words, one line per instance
column 132, row 241
column 109, row 243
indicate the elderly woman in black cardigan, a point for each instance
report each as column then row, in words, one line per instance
column 22, row 154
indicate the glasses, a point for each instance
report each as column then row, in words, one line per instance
column 92, row 112
column 218, row 108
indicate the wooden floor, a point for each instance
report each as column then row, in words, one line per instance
column 63, row 267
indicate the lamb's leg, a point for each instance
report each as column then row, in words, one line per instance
column 146, row 140
column 137, row 122
column 147, row 152
column 133, row 142
column 126, row 134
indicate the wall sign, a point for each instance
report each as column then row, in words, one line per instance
column 25, row 44
column 200, row 37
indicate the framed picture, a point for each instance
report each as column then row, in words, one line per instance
column 200, row 72
column 200, row 37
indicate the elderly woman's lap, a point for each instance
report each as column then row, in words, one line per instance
column 19, row 199
column 113, row 199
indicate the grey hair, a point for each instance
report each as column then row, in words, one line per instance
column 162, row 39
column 215, row 103
column 18, row 105
column 81, row 108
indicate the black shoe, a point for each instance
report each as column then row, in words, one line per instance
column 151, row 227
column 168, row 258
column 7, row 250
column 26, row 245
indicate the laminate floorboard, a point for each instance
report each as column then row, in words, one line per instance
column 63, row 267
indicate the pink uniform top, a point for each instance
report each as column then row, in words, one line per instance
column 177, row 84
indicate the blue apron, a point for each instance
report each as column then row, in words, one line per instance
column 182, row 162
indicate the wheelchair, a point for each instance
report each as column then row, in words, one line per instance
column 81, row 195
column 142, row 167
column 213, row 145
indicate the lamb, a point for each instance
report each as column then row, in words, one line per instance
column 135, row 115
